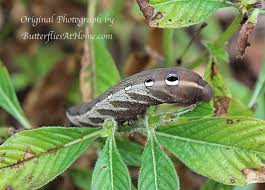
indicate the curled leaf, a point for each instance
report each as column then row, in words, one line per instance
column 174, row 13
column 255, row 176
column 243, row 42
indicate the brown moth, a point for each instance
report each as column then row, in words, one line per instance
column 133, row 95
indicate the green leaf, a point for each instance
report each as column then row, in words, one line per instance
column 31, row 159
column 110, row 172
column 223, row 102
column 157, row 171
column 260, row 112
column 220, row 42
column 178, row 13
column 130, row 152
column 204, row 109
column 235, row 87
column 219, row 53
column 193, row 112
column 82, row 178
column 254, row 16
column 33, row 67
column 107, row 75
column 213, row 185
column 98, row 72
column 227, row 150
column 4, row 134
column 236, row 108
column 214, row 78
column 8, row 98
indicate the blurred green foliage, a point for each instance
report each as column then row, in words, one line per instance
column 33, row 67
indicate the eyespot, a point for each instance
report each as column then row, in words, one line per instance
column 109, row 96
column 172, row 80
column 127, row 88
column 149, row 82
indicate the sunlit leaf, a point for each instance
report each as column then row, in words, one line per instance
column 157, row 171
column 30, row 159
column 110, row 172
column 227, row 150
column 178, row 13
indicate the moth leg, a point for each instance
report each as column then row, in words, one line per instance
column 187, row 109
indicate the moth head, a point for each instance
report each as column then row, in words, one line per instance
column 207, row 93
column 178, row 85
column 193, row 86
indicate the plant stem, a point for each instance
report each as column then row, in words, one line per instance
column 91, row 10
column 260, row 87
column 233, row 27
column 167, row 46
column 91, row 14
column 220, row 42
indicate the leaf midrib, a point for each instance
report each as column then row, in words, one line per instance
column 207, row 143
column 56, row 149
column 111, row 163
column 154, row 161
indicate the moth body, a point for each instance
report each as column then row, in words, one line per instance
column 132, row 96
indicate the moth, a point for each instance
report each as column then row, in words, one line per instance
column 133, row 95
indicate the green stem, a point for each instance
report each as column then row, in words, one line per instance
column 233, row 27
column 91, row 9
column 220, row 42
column 91, row 12
column 260, row 87
column 167, row 46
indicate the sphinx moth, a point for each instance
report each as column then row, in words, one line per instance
column 133, row 95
